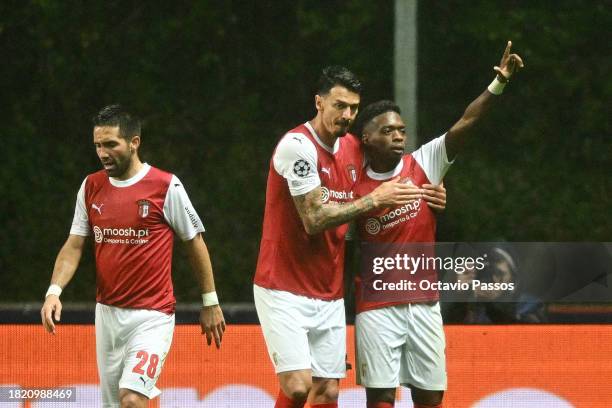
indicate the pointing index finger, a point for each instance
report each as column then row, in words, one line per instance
column 507, row 50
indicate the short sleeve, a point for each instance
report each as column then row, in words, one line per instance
column 295, row 159
column 433, row 159
column 80, row 221
column 179, row 212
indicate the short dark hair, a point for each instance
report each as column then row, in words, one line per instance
column 337, row 75
column 117, row 115
column 370, row 112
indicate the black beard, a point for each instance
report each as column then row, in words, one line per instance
column 341, row 132
column 120, row 169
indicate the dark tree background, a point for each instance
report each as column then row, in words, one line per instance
column 218, row 83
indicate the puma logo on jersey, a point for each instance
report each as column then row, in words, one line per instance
column 97, row 208
column 326, row 171
column 298, row 139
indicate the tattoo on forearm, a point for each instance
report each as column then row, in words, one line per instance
column 323, row 216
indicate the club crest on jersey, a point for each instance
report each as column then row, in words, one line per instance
column 352, row 172
column 143, row 208
column 407, row 180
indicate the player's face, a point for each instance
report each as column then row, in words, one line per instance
column 337, row 109
column 385, row 138
column 115, row 152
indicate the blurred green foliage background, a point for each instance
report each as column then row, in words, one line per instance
column 218, row 83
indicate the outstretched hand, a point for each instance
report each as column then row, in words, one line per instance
column 509, row 64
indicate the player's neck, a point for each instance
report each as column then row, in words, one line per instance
column 383, row 166
column 135, row 166
column 326, row 137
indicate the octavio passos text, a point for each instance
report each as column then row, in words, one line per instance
column 412, row 264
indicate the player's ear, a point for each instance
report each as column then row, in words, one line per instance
column 319, row 102
column 135, row 143
column 365, row 138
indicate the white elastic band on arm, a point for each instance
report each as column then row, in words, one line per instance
column 497, row 87
column 210, row 299
column 54, row 290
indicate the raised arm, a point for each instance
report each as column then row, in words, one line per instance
column 211, row 316
column 66, row 265
column 317, row 216
column 476, row 110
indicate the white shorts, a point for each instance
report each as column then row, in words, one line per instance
column 401, row 344
column 131, row 347
column 303, row 333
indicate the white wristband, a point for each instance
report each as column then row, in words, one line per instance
column 210, row 299
column 54, row 290
column 497, row 87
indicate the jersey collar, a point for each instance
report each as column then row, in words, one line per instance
column 386, row 176
column 333, row 149
column 132, row 180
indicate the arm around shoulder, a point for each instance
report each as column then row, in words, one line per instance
column 318, row 216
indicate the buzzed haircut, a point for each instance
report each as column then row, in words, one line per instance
column 116, row 115
column 370, row 112
column 337, row 75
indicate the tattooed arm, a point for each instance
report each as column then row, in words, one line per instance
column 318, row 217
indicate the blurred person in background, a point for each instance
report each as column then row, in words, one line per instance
column 493, row 306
